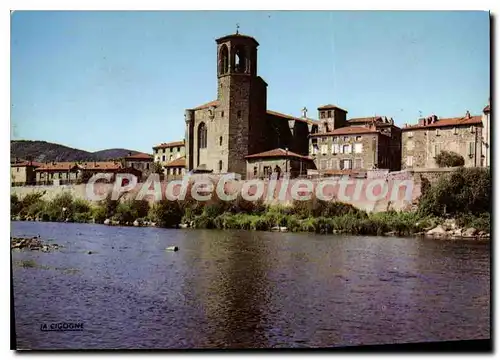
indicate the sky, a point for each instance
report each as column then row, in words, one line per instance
column 98, row 80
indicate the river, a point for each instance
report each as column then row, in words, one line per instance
column 243, row 289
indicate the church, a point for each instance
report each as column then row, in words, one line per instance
column 236, row 133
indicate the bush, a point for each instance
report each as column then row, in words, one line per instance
column 166, row 213
column 99, row 214
column 203, row 222
column 449, row 159
column 466, row 190
column 125, row 212
column 83, row 217
column 15, row 204
column 31, row 201
column 316, row 207
column 481, row 222
column 80, row 206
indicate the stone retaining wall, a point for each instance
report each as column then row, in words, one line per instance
column 362, row 193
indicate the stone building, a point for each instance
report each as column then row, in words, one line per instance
column 424, row 141
column 168, row 152
column 486, row 135
column 176, row 168
column 221, row 133
column 367, row 143
column 62, row 173
column 22, row 172
column 280, row 161
column 140, row 161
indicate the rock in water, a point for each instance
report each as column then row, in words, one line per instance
column 107, row 222
column 470, row 232
column 136, row 223
column 437, row 231
column 172, row 248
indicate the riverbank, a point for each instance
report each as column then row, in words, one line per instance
column 456, row 206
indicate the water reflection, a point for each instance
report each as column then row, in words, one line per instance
column 237, row 289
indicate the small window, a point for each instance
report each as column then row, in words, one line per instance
column 255, row 169
column 220, row 165
column 17, row 169
column 164, row 150
column 147, row 166
column 329, row 114
column 170, row 158
column 220, row 141
column 409, row 161
column 472, row 129
column 178, row 149
column 222, row 114
column 346, row 138
column 437, row 149
column 335, row 149
column 345, row 165
column 471, row 149
column 324, row 149
column 238, row 114
column 163, row 158
column 346, row 149
column 358, row 138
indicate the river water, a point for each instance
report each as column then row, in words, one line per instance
column 243, row 289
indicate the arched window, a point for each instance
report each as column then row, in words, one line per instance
column 239, row 60
column 220, row 165
column 202, row 136
column 223, row 60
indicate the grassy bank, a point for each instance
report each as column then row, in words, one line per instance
column 463, row 195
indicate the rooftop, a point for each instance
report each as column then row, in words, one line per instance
column 180, row 162
column 139, row 156
column 330, row 106
column 348, row 130
column 445, row 122
column 169, row 145
column 270, row 112
column 277, row 153
column 237, row 35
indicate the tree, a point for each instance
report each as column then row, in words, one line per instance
column 157, row 168
column 449, row 159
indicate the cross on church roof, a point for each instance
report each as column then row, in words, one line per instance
column 304, row 112
column 237, row 28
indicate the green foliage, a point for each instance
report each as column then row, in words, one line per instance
column 15, row 204
column 315, row 207
column 157, row 168
column 166, row 213
column 449, row 159
column 481, row 222
column 466, row 190
column 98, row 213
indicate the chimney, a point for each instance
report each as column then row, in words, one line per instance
column 129, row 153
column 421, row 122
column 467, row 115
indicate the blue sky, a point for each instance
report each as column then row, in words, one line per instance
column 96, row 80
